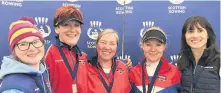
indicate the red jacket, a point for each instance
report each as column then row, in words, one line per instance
column 167, row 81
column 121, row 79
column 61, row 80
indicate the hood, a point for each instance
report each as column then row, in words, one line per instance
column 11, row 66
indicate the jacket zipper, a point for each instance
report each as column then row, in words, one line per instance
column 192, row 89
column 42, row 79
column 71, row 57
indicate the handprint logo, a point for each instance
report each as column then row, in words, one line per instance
column 94, row 29
column 41, row 23
column 146, row 24
column 174, row 59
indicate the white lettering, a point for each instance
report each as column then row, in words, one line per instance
column 12, row 3
column 75, row 5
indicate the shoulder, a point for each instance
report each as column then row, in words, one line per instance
column 51, row 49
column 174, row 67
column 137, row 68
column 14, row 81
column 83, row 55
column 91, row 69
column 17, row 77
column 12, row 91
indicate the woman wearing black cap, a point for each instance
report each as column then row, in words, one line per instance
column 200, row 57
column 154, row 74
column 66, row 62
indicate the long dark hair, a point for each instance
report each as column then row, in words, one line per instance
column 211, row 42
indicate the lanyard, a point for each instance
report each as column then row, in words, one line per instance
column 150, row 85
column 108, row 88
column 73, row 73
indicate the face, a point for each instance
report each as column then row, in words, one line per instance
column 153, row 50
column 69, row 32
column 30, row 50
column 197, row 37
column 107, row 47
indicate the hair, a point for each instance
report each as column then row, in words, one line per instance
column 189, row 24
column 65, row 12
column 150, row 29
column 107, row 31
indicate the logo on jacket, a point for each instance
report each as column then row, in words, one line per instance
column 41, row 23
column 81, row 61
column 48, row 84
column 162, row 78
column 146, row 25
column 120, row 70
column 37, row 89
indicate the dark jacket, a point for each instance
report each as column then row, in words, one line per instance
column 202, row 77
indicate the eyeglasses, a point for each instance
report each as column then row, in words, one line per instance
column 26, row 45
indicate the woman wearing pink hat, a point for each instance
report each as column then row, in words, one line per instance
column 23, row 71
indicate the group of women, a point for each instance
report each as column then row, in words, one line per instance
column 66, row 69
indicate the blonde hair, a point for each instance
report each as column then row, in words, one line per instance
column 107, row 31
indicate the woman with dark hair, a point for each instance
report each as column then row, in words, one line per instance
column 200, row 57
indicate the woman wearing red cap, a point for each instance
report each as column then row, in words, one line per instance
column 23, row 71
column 154, row 74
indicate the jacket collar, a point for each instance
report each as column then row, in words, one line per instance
column 64, row 45
column 165, row 67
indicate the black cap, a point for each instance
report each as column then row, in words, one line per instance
column 69, row 19
column 154, row 34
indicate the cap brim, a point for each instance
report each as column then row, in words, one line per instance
column 154, row 34
column 73, row 19
column 154, row 38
